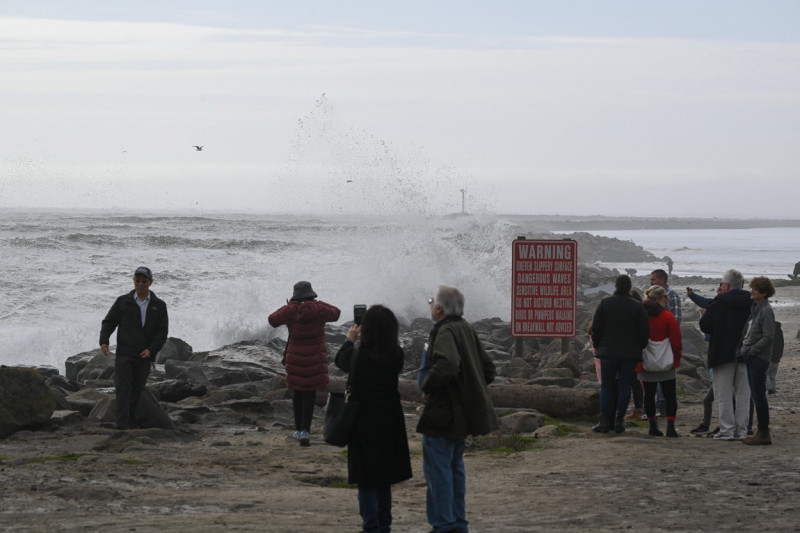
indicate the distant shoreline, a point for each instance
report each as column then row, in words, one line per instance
column 598, row 222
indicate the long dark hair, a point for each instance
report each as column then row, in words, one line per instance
column 379, row 331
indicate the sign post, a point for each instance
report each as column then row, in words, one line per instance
column 543, row 287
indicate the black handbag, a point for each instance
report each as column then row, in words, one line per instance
column 340, row 412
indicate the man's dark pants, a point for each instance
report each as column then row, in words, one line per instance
column 130, row 377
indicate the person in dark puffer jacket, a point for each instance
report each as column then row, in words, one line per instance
column 306, row 354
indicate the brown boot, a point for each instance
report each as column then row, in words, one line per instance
column 761, row 437
column 636, row 414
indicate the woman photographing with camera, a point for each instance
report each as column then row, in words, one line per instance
column 377, row 452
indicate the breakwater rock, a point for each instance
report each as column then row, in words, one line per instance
column 245, row 382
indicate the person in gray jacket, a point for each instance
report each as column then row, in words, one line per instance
column 456, row 372
column 757, row 352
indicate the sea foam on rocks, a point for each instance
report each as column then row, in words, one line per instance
column 244, row 382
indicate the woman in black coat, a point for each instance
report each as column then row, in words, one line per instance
column 377, row 453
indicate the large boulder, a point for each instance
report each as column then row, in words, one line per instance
column 553, row 358
column 60, row 397
column 85, row 399
column 105, row 410
column 98, row 367
column 174, row 390
column 25, row 399
column 62, row 383
column 75, row 363
column 522, row 421
column 149, row 413
column 518, row 368
column 174, row 348
column 216, row 373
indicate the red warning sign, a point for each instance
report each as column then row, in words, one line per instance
column 543, row 288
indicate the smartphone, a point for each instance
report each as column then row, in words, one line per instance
column 358, row 313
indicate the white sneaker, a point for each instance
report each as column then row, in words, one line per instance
column 721, row 436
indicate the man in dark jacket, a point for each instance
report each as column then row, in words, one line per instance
column 620, row 330
column 141, row 321
column 456, row 373
column 724, row 321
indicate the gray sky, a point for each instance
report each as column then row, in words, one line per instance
column 618, row 107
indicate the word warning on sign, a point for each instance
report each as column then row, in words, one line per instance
column 544, row 282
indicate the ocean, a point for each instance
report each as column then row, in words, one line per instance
column 770, row 252
column 223, row 274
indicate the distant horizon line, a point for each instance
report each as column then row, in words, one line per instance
column 558, row 218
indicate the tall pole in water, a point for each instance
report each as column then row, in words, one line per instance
column 463, row 201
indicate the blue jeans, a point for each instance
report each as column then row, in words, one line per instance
column 446, row 477
column 375, row 507
column 619, row 373
column 757, row 377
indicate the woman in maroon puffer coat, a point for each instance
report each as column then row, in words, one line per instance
column 306, row 356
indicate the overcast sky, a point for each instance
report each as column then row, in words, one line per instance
column 679, row 108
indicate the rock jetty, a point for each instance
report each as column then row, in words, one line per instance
column 244, row 383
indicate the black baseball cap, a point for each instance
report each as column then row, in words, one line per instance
column 143, row 271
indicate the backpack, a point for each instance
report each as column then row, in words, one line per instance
column 777, row 344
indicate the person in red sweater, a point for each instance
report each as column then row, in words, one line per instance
column 663, row 326
column 306, row 353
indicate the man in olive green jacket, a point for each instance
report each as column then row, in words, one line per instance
column 454, row 375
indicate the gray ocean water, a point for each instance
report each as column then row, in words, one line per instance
column 222, row 274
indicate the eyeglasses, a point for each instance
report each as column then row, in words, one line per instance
column 430, row 301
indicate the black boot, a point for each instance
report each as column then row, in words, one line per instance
column 671, row 429
column 654, row 431
column 602, row 426
column 619, row 426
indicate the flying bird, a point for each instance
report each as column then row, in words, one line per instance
column 198, row 148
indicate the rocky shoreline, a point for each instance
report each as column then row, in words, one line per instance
column 246, row 379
